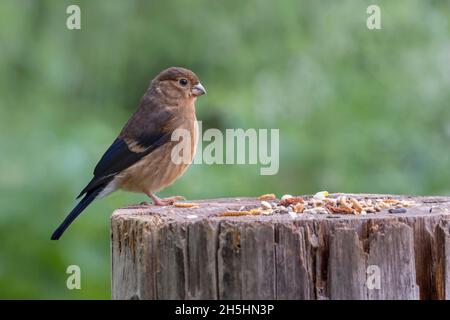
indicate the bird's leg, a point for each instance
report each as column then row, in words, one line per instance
column 164, row 201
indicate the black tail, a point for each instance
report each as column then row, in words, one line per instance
column 88, row 198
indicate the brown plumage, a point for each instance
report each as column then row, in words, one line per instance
column 140, row 159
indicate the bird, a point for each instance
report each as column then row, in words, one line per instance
column 141, row 159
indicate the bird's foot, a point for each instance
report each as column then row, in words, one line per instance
column 165, row 201
column 144, row 203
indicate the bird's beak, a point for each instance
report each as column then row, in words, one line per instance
column 198, row 90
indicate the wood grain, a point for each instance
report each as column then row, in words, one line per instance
column 195, row 253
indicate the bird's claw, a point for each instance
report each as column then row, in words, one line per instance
column 167, row 201
column 164, row 201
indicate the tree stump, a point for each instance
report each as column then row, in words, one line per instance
column 195, row 253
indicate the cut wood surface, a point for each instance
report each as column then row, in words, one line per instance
column 196, row 253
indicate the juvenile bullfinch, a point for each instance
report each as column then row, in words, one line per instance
column 140, row 159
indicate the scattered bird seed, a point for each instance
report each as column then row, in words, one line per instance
column 356, row 205
column 321, row 210
column 191, row 216
column 321, row 195
column 266, row 205
column 291, row 201
column 186, row 205
column 269, row 196
column 255, row 211
column 231, row 213
column 299, row 207
column 320, row 203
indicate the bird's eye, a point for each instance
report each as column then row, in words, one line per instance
column 183, row 82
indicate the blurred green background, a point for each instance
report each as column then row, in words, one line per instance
column 358, row 110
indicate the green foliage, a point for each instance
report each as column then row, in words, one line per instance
column 358, row 110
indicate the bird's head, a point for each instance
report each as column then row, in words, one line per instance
column 177, row 82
